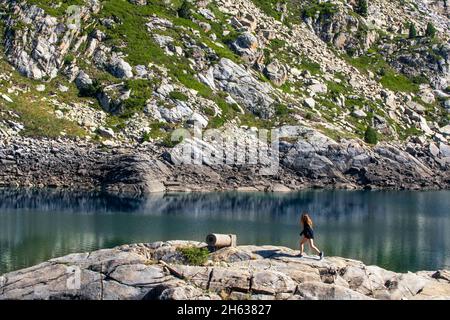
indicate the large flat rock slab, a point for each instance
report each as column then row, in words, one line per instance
column 160, row 270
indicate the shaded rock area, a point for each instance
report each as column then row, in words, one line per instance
column 311, row 160
column 38, row 51
column 75, row 165
column 158, row 271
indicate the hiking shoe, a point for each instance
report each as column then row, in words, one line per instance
column 300, row 255
column 321, row 255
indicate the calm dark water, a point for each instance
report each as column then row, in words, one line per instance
column 396, row 230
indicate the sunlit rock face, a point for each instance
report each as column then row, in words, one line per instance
column 159, row 271
column 117, row 79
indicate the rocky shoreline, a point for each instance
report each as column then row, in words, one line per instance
column 314, row 161
column 161, row 271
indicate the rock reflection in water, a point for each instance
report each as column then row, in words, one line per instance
column 396, row 230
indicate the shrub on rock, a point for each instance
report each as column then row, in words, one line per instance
column 194, row 256
column 362, row 8
column 185, row 10
column 370, row 136
column 412, row 31
column 431, row 30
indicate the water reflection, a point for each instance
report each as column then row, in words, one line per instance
column 397, row 230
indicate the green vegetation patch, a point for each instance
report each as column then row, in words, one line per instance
column 371, row 136
column 269, row 7
column 408, row 132
column 388, row 76
column 38, row 119
column 56, row 8
column 187, row 78
column 398, row 82
column 324, row 9
column 274, row 9
column 335, row 89
column 311, row 66
column 156, row 131
column 194, row 256
column 334, row 134
column 36, row 114
column 141, row 91
column 177, row 95
column 140, row 47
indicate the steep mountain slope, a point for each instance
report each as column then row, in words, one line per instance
column 370, row 97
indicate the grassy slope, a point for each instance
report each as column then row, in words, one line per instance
column 56, row 8
column 35, row 109
column 131, row 37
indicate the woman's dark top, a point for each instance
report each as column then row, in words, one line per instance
column 307, row 232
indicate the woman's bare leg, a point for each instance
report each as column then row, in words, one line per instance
column 302, row 245
column 311, row 244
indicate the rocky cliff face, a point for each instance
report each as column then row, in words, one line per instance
column 312, row 161
column 117, row 75
column 160, row 271
column 36, row 42
column 377, row 30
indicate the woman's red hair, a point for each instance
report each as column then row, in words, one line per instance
column 306, row 219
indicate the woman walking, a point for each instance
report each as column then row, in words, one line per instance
column 308, row 235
